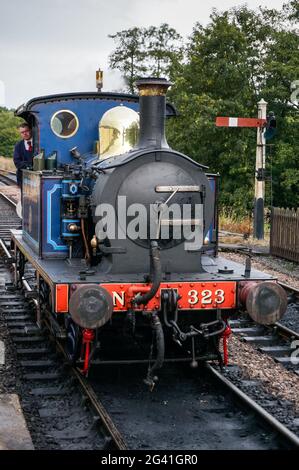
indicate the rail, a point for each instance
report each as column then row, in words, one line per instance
column 267, row 417
column 98, row 407
column 8, row 177
column 8, row 199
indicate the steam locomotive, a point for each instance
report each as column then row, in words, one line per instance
column 122, row 231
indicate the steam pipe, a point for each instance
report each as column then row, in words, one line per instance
column 160, row 343
column 157, row 275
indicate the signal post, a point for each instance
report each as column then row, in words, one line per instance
column 260, row 162
column 259, row 193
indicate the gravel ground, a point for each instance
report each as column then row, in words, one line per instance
column 273, row 386
column 280, row 381
column 56, row 421
column 291, row 317
column 277, row 389
column 8, row 372
column 11, row 191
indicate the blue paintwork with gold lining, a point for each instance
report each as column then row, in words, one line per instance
column 42, row 194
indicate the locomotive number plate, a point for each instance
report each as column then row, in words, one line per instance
column 193, row 295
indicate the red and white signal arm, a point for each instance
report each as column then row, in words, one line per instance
column 239, row 122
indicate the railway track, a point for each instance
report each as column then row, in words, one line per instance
column 225, row 233
column 282, row 430
column 277, row 341
column 68, row 408
column 8, row 178
column 39, row 359
column 291, row 290
column 177, row 411
column 50, row 385
column 59, row 398
column 9, row 219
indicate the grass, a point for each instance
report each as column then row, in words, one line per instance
column 243, row 226
column 7, row 164
column 232, row 223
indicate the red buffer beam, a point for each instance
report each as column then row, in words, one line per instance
column 239, row 122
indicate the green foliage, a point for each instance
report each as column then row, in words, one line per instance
column 145, row 51
column 240, row 57
column 285, row 163
column 225, row 68
column 9, row 134
column 163, row 48
column 129, row 55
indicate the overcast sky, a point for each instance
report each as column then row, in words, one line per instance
column 55, row 46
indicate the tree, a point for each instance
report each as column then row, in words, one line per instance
column 238, row 58
column 8, row 131
column 225, row 68
column 144, row 52
column 163, row 48
column 129, row 55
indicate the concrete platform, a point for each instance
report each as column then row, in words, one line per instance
column 14, row 434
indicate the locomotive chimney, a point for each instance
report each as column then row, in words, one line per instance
column 152, row 105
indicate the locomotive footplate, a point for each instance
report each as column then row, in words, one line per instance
column 205, row 290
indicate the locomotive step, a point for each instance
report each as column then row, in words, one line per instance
column 276, row 350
